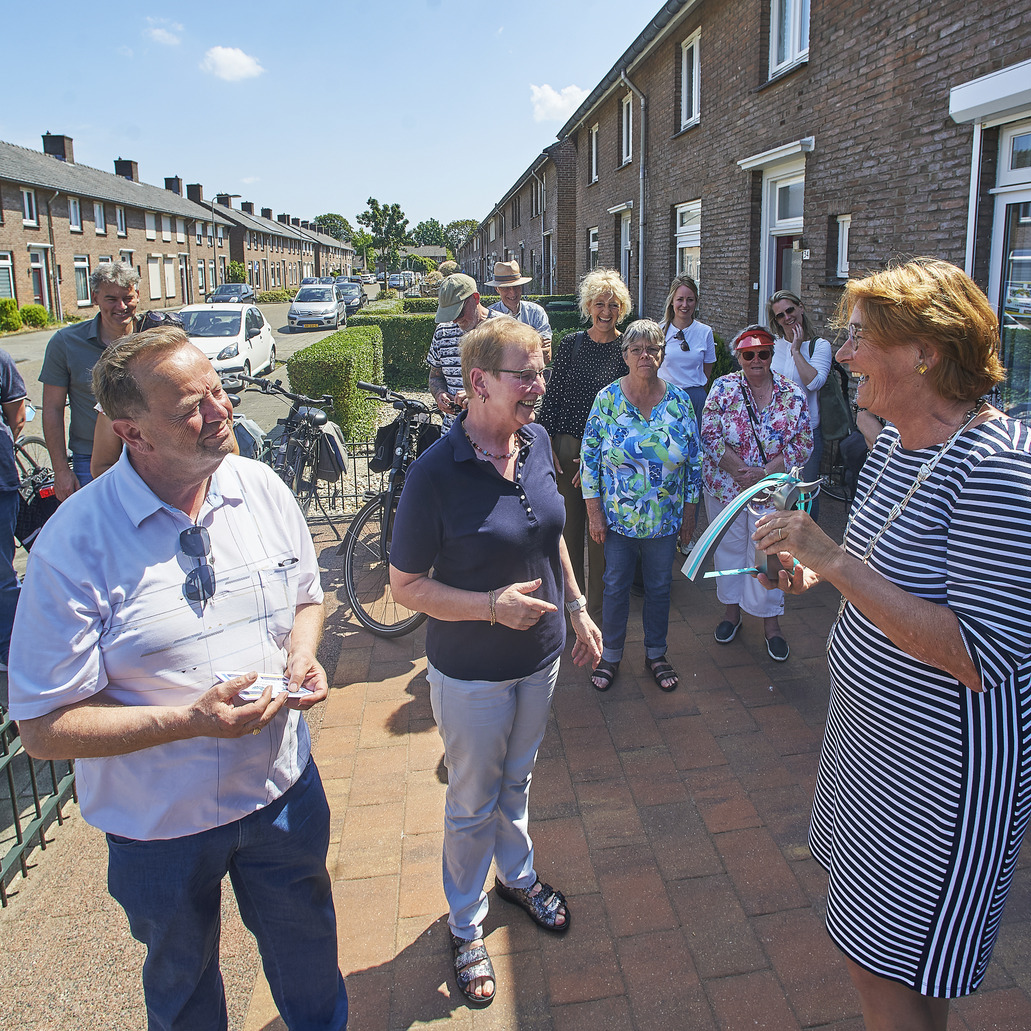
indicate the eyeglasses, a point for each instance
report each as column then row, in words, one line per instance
column 194, row 542
column 764, row 354
column 652, row 352
column 527, row 377
column 855, row 333
column 780, row 316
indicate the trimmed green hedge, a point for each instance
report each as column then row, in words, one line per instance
column 333, row 366
column 280, row 296
column 406, row 341
column 35, row 315
column 420, row 305
column 10, row 317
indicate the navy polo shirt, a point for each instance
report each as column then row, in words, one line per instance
column 477, row 531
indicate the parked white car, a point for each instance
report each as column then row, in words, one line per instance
column 317, row 306
column 233, row 336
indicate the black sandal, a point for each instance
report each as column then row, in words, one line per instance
column 606, row 671
column 543, row 907
column 661, row 669
column 471, row 963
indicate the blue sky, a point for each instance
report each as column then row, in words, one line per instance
column 261, row 99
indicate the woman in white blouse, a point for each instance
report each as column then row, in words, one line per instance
column 690, row 347
column 805, row 359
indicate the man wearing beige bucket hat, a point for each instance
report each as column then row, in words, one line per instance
column 509, row 282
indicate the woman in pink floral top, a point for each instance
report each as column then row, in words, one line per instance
column 755, row 422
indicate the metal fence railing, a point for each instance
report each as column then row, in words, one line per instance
column 32, row 792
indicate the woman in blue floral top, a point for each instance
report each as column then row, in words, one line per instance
column 755, row 422
column 640, row 470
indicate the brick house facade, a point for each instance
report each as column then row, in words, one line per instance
column 767, row 145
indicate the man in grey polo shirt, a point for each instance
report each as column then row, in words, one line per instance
column 509, row 283
column 68, row 368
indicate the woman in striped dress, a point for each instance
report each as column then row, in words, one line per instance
column 924, row 787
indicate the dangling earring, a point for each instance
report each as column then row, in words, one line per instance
column 483, row 398
column 922, row 368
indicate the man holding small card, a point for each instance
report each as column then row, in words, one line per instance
column 147, row 595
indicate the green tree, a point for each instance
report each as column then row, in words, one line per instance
column 363, row 249
column 335, row 225
column 430, row 234
column 237, row 272
column 389, row 229
column 456, row 232
column 423, row 264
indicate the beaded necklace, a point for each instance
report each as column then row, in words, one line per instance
column 483, row 451
column 896, row 510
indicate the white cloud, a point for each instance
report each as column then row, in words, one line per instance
column 231, row 64
column 551, row 105
column 248, row 180
column 164, row 31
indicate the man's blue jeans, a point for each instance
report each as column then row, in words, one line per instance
column 621, row 554
column 276, row 859
column 9, row 586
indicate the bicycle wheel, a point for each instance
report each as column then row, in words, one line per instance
column 305, row 479
column 31, row 456
column 367, row 575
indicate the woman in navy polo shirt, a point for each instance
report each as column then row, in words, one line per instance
column 481, row 509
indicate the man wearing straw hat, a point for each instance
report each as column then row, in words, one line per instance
column 509, row 282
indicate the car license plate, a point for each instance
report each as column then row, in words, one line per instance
column 309, row 325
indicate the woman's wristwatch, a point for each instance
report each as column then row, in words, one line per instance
column 576, row 605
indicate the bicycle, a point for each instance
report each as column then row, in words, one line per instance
column 294, row 448
column 365, row 549
column 36, row 487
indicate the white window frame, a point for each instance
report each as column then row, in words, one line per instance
column 166, row 228
column 626, row 138
column 199, row 226
column 151, row 221
column 7, row 274
column 687, row 235
column 220, row 230
column 776, row 177
column 1007, row 175
column 120, row 220
column 82, row 291
column 491, row 231
column 594, row 153
column 793, row 41
column 74, row 215
column 844, row 226
column 200, row 276
column 126, row 256
column 592, row 247
column 690, row 74
column 29, row 211
column 180, row 230
column 544, row 192
column 99, row 218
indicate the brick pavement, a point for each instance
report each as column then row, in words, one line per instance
column 676, row 824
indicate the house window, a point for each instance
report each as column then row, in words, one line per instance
column 29, row 216
column 125, row 256
column 690, row 108
column 491, row 232
column 151, row 221
column 220, row 236
column 82, row 280
column 1015, row 155
column 688, row 238
column 166, row 228
column 99, row 218
column 200, row 274
column 789, row 33
column 200, row 231
column 592, row 248
column 74, row 215
column 544, row 193
column 844, row 223
column 626, row 151
column 180, row 230
column 120, row 219
column 594, row 154
column 6, row 274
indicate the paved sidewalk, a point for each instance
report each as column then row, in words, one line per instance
column 676, row 824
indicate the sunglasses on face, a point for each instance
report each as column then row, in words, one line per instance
column 764, row 354
column 780, row 316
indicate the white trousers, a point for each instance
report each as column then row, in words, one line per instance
column 736, row 550
column 491, row 732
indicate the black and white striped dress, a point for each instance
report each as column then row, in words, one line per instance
column 924, row 788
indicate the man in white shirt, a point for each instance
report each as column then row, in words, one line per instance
column 509, row 282
column 151, row 602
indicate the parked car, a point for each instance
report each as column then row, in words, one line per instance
column 317, row 306
column 240, row 292
column 232, row 335
column 368, row 277
column 379, row 277
column 394, row 282
column 308, row 279
column 354, row 295
column 327, row 279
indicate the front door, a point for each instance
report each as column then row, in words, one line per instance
column 787, row 272
column 1013, row 273
column 38, row 275
column 624, row 246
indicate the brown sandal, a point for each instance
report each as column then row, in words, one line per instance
column 661, row 669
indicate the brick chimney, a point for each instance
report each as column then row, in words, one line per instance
column 295, row 222
column 174, row 184
column 195, row 192
column 59, row 147
column 285, row 219
column 224, row 199
column 266, row 213
column 247, row 207
column 127, row 169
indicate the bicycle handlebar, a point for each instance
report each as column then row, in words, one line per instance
column 276, row 387
column 399, row 400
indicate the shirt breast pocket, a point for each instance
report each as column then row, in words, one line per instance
column 279, row 585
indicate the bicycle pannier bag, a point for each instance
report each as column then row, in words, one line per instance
column 37, row 502
column 383, row 448
column 332, row 453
